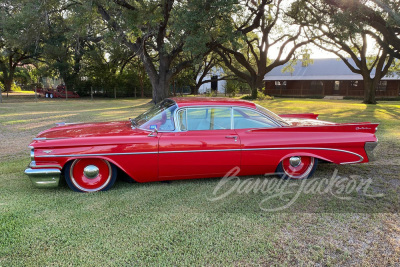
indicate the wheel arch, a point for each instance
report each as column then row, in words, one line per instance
column 304, row 154
column 111, row 161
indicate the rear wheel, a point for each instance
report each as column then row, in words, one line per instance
column 90, row 175
column 297, row 167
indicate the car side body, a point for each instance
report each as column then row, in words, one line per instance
column 198, row 138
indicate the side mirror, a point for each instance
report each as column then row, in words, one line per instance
column 154, row 132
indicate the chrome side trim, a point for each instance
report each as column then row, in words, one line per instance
column 45, row 138
column 211, row 150
column 95, row 155
column 33, row 165
column 317, row 148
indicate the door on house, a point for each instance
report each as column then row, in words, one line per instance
column 336, row 88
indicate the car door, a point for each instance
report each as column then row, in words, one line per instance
column 257, row 134
column 204, row 146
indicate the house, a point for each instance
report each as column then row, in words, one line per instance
column 217, row 85
column 325, row 77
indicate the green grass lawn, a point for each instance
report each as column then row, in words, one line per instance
column 176, row 223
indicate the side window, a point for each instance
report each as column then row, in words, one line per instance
column 245, row 118
column 208, row 118
column 182, row 120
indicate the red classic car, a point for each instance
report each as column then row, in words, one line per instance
column 184, row 138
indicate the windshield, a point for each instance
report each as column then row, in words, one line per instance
column 271, row 115
column 160, row 117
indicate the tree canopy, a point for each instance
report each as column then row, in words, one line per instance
column 121, row 45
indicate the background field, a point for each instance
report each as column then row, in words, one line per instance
column 174, row 223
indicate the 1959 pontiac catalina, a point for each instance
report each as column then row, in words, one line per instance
column 184, row 138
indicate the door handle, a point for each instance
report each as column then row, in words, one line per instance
column 232, row 137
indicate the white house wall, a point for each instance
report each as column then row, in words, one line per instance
column 204, row 88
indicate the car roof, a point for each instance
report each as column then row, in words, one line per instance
column 212, row 101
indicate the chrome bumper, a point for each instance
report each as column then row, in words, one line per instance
column 44, row 178
column 369, row 149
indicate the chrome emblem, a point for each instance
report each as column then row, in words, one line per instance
column 47, row 151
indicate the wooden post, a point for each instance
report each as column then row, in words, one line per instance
column 301, row 88
column 35, row 94
column 91, row 92
column 398, row 88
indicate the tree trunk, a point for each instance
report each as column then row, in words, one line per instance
column 195, row 89
column 160, row 91
column 253, row 92
column 7, row 84
column 9, row 79
column 160, row 87
column 369, row 90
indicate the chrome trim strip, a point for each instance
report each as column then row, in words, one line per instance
column 45, row 138
column 94, row 155
column 33, row 165
column 211, row 150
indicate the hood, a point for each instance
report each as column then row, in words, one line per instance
column 295, row 122
column 88, row 130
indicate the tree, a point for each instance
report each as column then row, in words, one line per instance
column 146, row 37
column 382, row 16
column 20, row 36
column 156, row 32
column 249, row 51
column 71, row 31
column 341, row 33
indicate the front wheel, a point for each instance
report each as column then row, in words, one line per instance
column 90, row 175
column 297, row 167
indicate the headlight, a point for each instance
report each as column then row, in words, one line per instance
column 32, row 153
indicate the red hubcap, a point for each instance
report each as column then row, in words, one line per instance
column 298, row 167
column 90, row 174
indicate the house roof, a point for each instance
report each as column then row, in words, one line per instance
column 321, row 69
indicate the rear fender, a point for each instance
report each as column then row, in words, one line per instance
column 305, row 154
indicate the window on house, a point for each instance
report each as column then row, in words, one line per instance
column 280, row 84
column 353, row 84
column 316, row 85
column 382, row 85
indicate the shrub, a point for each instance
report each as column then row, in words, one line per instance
column 260, row 96
column 232, row 88
column 15, row 88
